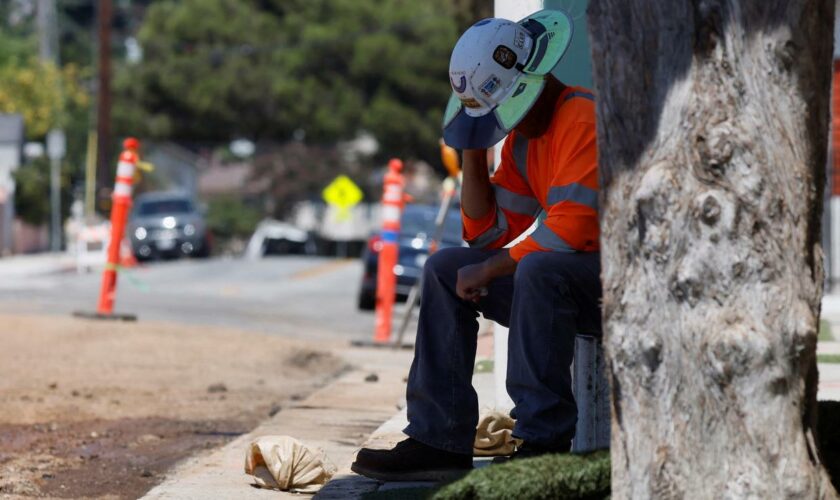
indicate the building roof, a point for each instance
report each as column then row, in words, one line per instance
column 11, row 128
column 234, row 178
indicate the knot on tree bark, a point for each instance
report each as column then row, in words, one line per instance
column 710, row 210
column 734, row 351
column 686, row 289
column 714, row 218
column 643, row 351
column 654, row 198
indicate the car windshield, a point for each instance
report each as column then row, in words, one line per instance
column 164, row 207
column 421, row 219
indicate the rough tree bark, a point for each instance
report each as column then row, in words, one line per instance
column 712, row 124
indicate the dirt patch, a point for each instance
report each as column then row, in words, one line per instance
column 119, row 459
column 91, row 409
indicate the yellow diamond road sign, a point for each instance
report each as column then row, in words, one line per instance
column 343, row 193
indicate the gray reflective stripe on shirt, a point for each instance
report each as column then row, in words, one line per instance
column 585, row 95
column 575, row 192
column 493, row 233
column 550, row 240
column 520, row 155
column 518, row 203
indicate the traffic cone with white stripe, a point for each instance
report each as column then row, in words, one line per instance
column 120, row 207
column 386, row 286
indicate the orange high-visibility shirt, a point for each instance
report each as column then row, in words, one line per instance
column 557, row 173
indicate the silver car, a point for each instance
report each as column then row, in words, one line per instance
column 167, row 224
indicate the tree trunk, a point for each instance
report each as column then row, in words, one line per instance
column 712, row 131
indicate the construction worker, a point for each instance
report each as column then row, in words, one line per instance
column 546, row 287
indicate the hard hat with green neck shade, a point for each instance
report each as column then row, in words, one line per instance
column 497, row 72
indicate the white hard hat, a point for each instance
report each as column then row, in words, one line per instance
column 497, row 72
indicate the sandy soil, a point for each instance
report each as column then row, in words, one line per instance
column 97, row 409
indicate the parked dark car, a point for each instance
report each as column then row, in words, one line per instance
column 417, row 228
column 167, row 225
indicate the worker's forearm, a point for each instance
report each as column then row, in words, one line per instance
column 500, row 264
column 476, row 190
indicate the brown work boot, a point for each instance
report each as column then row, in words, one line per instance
column 411, row 460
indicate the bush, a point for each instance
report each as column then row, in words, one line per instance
column 545, row 477
column 582, row 476
column 230, row 218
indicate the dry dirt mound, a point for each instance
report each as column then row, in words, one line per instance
column 91, row 409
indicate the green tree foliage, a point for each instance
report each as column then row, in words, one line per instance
column 230, row 218
column 47, row 97
column 217, row 69
column 32, row 199
column 467, row 12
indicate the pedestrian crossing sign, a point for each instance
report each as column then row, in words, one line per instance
column 343, row 193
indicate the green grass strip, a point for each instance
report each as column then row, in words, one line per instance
column 825, row 331
column 559, row 476
column 484, row 366
column 828, row 358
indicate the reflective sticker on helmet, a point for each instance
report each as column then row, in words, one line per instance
column 504, row 56
column 470, row 102
column 461, row 86
column 519, row 39
column 519, row 89
column 490, row 85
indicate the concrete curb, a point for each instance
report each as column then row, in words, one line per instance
column 337, row 418
column 341, row 417
column 348, row 485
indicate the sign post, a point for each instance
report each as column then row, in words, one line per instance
column 56, row 147
column 343, row 194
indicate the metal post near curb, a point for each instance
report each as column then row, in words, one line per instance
column 449, row 188
column 592, row 394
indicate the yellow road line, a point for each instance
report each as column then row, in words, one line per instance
column 324, row 268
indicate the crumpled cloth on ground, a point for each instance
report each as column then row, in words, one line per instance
column 493, row 436
column 284, row 463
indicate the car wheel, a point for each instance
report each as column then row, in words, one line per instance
column 203, row 251
column 367, row 300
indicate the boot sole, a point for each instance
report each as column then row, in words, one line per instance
column 436, row 475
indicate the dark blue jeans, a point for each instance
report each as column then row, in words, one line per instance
column 552, row 297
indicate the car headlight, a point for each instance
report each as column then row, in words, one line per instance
column 189, row 230
column 140, row 233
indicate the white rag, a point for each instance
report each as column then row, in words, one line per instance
column 494, row 435
column 284, row 463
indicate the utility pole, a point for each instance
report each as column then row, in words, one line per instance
column 48, row 51
column 103, row 119
column 47, row 31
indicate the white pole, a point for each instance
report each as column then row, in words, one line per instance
column 513, row 10
column 56, row 148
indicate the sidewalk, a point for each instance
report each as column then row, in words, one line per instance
column 830, row 372
column 39, row 264
column 347, row 485
column 350, row 413
column 337, row 418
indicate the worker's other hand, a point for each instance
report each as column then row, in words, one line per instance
column 472, row 282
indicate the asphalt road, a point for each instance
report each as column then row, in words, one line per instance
column 299, row 297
